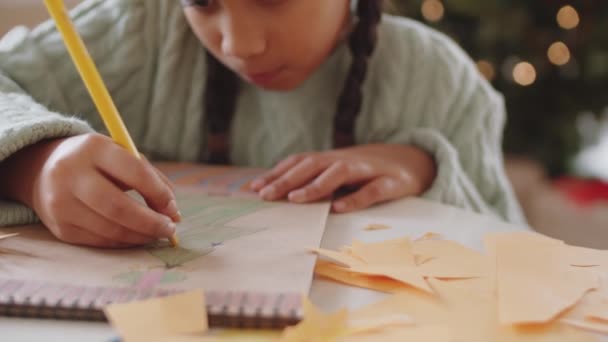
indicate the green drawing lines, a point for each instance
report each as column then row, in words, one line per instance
column 206, row 225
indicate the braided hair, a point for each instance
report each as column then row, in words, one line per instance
column 222, row 88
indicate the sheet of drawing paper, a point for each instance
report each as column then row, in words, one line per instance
column 227, row 243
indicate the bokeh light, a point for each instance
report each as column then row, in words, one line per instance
column 433, row 10
column 524, row 74
column 558, row 53
column 568, row 18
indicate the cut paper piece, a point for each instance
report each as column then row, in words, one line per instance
column 377, row 324
column 390, row 252
column 523, row 238
column 468, row 315
column 374, row 227
column 427, row 333
column 448, row 259
column 344, row 275
column 534, row 282
column 317, row 326
column 342, row 258
column 429, row 236
column 588, row 325
column 392, row 259
column 407, row 275
column 599, row 311
column 176, row 317
column 246, row 335
column 587, row 257
column 7, row 236
column 593, row 304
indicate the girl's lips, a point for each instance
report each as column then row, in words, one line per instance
column 264, row 78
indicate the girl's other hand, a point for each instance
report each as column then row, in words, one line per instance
column 379, row 173
column 77, row 187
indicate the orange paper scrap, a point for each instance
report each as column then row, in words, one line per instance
column 448, row 259
column 373, row 227
column 181, row 317
column 392, row 259
column 535, row 282
column 344, row 275
column 468, row 315
column 317, row 326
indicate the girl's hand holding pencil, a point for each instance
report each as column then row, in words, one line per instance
column 76, row 186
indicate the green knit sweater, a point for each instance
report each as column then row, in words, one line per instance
column 421, row 89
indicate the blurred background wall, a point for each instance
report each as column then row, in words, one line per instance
column 549, row 58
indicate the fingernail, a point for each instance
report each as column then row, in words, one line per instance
column 268, row 192
column 297, row 196
column 170, row 228
column 173, row 211
column 339, row 206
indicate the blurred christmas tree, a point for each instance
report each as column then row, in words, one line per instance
column 548, row 57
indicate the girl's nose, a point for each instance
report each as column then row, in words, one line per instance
column 241, row 40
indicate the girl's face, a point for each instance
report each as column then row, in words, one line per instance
column 275, row 44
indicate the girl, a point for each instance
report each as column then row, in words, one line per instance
column 348, row 96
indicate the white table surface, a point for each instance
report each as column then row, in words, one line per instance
column 411, row 217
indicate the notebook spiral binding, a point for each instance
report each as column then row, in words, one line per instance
column 243, row 310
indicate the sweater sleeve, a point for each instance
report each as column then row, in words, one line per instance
column 41, row 94
column 447, row 109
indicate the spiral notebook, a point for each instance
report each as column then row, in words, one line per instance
column 250, row 257
column 247, row 310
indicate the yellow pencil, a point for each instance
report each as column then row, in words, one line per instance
column 93, row 81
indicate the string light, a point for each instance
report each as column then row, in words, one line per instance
column 568, row 18
column 486, row 69
column 433, row 10
column 524, row 74
column 559, row 54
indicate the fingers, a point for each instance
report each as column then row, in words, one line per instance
column 140, row 176
column 323, row 186
column 100, row 226
column 164, row 178
column 276, row 172
column 379, row 190
column 78, row 236
column 103, row 197
column 298, row 175
column 159, row 173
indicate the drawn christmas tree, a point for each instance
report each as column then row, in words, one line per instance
column 206, row 225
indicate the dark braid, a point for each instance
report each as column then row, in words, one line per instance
column 362, row 43
column 220, row 103
column 222, row 88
